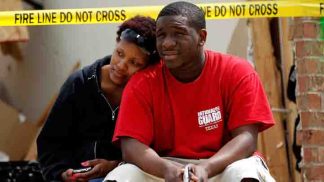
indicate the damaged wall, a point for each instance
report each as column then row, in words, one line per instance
column 309, row 57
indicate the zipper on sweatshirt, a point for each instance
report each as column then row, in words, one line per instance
column 95, row 150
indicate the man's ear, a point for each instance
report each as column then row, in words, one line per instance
column 202, row 37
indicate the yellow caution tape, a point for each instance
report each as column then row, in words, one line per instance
column 251, row 9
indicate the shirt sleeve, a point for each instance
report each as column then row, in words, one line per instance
column 249, row 104
column 135, row 117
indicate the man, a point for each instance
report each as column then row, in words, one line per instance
column 197, row 108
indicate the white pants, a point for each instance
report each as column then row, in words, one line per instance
column 252, row 167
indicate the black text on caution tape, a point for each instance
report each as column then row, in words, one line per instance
column 241, row 10
column 67, row 17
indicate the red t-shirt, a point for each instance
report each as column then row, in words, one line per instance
column 192, row 120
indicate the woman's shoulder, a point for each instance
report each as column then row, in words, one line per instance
column 85, row 77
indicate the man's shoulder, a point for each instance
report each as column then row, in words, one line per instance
column 229, row 62
column 233, row 59
column 147, row 80
column 151, row 73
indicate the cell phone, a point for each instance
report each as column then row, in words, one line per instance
column 82, row 170
column 186, row 174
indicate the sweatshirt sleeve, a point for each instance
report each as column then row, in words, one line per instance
column 53, row 143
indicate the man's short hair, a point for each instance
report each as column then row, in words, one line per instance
column 195, row 15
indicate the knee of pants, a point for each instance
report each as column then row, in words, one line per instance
column 237, row 169
column 126, row 172
column 245, row 168
column 252, row 167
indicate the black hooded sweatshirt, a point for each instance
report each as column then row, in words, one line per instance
column 80, row 125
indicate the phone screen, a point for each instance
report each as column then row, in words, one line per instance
column 83, row 170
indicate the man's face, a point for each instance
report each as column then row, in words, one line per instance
column 177, row 42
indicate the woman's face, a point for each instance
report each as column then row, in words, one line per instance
column 126, row 59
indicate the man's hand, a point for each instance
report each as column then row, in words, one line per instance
column 173, row 173
column 100, row 168
column 198, row 173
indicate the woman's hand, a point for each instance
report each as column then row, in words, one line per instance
column 100, row 168
column 67, row 176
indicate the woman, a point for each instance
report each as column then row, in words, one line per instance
column 79, row 129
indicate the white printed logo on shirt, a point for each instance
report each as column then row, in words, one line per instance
column 209, row 118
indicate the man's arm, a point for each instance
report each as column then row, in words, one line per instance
column 242, row 145
column 149, row 161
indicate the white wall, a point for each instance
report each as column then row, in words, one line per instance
column 52, row 51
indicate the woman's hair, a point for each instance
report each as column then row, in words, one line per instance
column 144, row 28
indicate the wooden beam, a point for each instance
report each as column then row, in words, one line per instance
column 273, row 139
column 287, row 62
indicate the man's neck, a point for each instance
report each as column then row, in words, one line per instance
column 190, row 72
